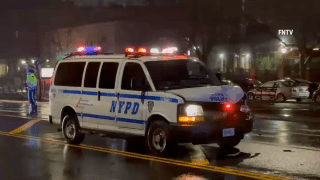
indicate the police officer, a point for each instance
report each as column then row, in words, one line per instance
column 32, row 89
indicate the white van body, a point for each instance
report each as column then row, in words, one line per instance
column 97, row 90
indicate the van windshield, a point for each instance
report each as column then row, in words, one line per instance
column 178, row 74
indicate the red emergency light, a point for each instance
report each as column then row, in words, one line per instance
column 142, row 50
column 129, row 50
column 145, row 51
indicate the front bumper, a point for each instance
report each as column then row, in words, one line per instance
column 207, row 133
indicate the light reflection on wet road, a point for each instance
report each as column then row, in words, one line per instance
column 35, row 159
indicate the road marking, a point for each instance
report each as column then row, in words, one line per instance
column 24, row 127
column 196, row 154
column 156, row 159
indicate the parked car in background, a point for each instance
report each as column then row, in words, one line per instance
column 312, row 86
column 280, row 90
column 316, row 95
column 247, row 84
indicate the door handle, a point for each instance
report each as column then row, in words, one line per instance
column 99, row 94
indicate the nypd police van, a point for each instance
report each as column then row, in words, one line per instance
column 165, row 98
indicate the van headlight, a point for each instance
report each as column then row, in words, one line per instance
column 194, row 113
column 194, row 110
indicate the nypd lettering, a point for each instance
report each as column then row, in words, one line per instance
column 125, row 107
column 218, row 97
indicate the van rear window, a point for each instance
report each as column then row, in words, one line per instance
column 69, row 74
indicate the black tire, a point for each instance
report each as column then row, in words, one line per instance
column 71, row 130
column 317, row 98
column 251, row 96
column 281, row 97
column 229, row 143
column 163, row 145
column 298, row 99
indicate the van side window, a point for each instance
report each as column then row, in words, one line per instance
column 91, row 76
column 108, row 75
column 69, row 74
column 133, row 70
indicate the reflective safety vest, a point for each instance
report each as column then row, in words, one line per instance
column 32, row 80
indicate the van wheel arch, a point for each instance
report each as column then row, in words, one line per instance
column 152, row 118
column 67, row 110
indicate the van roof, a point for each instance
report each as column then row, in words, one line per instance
column 122, row 56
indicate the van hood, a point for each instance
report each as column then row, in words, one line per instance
column 228, row 94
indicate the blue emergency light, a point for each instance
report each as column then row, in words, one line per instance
column 89, row 49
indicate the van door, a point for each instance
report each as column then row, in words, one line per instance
column 107, row 95
column 66, row 89
column 131, row 108
column 90, row 96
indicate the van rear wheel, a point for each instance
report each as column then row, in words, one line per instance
column 71, row 130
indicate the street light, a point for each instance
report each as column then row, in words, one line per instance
column 32, row 61
column 221, row 55
column 23, row 62
column 47, row 60
column 283, row 50
column 248, row 55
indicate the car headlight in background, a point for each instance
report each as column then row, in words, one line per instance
column 245, row 109
column 194, row 113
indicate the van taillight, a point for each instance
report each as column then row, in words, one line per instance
column 228, row 107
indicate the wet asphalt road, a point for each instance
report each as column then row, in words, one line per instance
column 285, row 148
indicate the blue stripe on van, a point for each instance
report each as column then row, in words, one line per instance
column 53, row 90
column 130, row 96
column 98, row 116
column 90, row 93
column 71, row 92
column 108, row 94
column 155, row 98
column 136, row 121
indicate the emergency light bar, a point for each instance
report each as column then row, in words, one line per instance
column 85, row 50
column 89, row 49
column 144, row 51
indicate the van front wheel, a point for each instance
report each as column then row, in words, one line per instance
column 158, row 138
column 71, row 130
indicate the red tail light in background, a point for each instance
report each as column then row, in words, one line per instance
column 293, row 90
column 228, row 107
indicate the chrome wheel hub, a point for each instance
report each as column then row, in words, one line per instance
column 159, row 140
column 70, row 130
